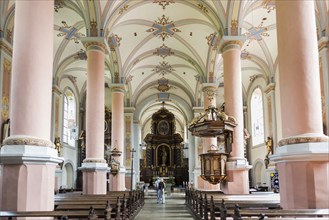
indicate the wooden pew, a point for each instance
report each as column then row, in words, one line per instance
column 87, row 214
column 200, row 205
column 221, row 206
column 130, row 204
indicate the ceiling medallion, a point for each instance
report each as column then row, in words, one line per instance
column 164, row 3
column 163, row 85
column 70, row 33
column 163, row 28
column 163, row 68
column 163, row 51
column 257, row 33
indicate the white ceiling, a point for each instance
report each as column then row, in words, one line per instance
column 166, row 38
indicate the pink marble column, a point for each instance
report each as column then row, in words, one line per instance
column 117, row 182
column 209, row 91
column 28, row 158
column 302, row 156
column 237, row 165
column 94, row 167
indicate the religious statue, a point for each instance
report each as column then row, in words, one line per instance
column 58, row 144
column 269, row 149
column 269, row 146
column 164, row 156
column 115, row 166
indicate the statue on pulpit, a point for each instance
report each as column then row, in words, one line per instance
column 164, row 156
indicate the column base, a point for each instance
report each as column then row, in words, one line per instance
column 94, row 178
column 237, row 181
column 117, row 182
column 27, row 177
column 303, row 175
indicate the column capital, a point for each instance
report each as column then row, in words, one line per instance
column 269, row 88
column 209, row 86
column 95, row 43
column 129, row 110
column 5, row 46
column 57, row 90
column 323, row 43
column 116, row 87
column 231, row 43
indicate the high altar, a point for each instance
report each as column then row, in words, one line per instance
column 164, row 150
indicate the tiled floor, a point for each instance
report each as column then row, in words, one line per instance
column 174, row 208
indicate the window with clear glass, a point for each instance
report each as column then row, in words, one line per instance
column 257, row 117
column 69, row 118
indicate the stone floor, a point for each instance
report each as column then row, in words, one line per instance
column 174, row 208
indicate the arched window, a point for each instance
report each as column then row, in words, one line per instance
column 69, row 118
column 257, row 117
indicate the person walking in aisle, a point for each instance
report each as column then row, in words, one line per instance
column 156, row 184
column 162, row 191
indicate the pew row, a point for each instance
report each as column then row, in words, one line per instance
column 115, row 205
column 221, row 206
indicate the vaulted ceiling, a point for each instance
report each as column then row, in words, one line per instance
column 164, row 49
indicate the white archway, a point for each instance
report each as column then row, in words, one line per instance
column 259, row 174
column 69, row 176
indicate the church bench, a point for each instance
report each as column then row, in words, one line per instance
column 199, row 204
column 63, row 215
column 130, row 205
column 262, row 214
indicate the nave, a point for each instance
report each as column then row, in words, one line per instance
column 174, row 207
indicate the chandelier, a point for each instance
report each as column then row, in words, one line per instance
column 214, row 123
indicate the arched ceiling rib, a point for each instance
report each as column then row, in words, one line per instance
column 174, row 41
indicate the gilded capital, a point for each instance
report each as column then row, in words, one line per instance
column 231, row 45
column 94, row 43
column 118, row 88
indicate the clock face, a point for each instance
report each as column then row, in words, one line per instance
column 163, row 128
